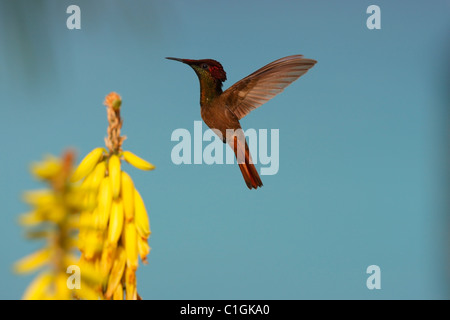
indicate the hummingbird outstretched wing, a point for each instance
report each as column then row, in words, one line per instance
column 264, row 84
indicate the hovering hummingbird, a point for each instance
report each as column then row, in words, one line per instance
column 222, row 110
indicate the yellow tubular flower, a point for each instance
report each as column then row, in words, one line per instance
column 87, row 164
column 118, row 294
column 62, row 290
column 49, row 168
column 141, row 217
column 42, row 199
column 116, row 272
column 114, row 174
column 87, row 293
column 30, row 219
column 128, row 196
column 107, row 259
column 97, row 175
column 90, row 277
column 38, row 288
column 130, row 283
column 115, row 222
column 104, row 202
column 93, row 244
column 33, row 261
column 131, row 245
column 143, row 249
column 137, row 162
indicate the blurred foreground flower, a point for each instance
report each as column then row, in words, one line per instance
column 54, row 217
column 119, row 218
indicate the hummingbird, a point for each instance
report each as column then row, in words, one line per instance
column 222, row 110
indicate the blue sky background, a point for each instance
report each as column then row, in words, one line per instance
column 362, row 140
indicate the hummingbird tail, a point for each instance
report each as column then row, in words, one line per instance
column 250, row 175
column 248, row 169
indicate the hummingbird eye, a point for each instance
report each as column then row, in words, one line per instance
column 204, row 66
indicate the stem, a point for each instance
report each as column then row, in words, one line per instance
column 114, row 141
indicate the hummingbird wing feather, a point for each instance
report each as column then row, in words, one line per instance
column 265, row 83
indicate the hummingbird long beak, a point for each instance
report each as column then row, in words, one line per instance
column 189, row 62
column 178, row 59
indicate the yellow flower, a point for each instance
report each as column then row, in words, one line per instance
column 114, row 174
column 120, row 225
column 136, row 161
column 87, row 164
column 54, row 217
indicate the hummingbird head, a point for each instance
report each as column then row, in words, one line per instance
column 207, row 70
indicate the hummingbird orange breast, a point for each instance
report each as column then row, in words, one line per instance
column 216, row 115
